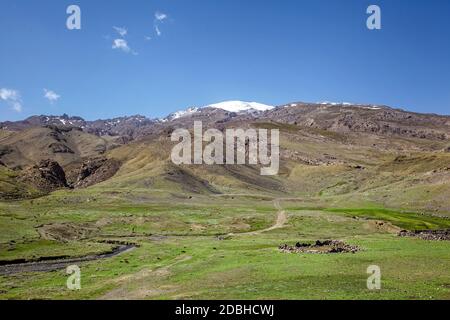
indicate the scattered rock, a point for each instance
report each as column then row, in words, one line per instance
column 430, row 235
column 60, row 148
column 325, row 160
column 320, row 247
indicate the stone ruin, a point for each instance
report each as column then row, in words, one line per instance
column 320, row 247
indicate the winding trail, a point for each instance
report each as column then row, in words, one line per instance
column 146, row 278
column 279, row 223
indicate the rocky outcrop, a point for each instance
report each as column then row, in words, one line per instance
column 94, row 171
column 5, row 150
column 47, row 176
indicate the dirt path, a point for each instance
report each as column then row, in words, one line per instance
column 52, row 264
column 279, row 223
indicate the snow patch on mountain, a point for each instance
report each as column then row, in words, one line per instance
column 349, row 104
column 240, row 106
column 180, row 114
column 329, row 103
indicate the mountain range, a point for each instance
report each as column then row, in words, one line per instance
column 331, row 151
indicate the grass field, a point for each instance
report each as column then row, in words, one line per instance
column 217, row 248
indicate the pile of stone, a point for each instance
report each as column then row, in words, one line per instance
column 430, row 235
column 320, row 247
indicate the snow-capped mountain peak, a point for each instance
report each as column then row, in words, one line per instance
column 230, row 106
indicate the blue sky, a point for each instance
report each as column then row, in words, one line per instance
column 269, row 51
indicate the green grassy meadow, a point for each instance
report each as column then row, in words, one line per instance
column 210, row 248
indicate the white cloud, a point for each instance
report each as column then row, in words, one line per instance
column 121, row 31
column 51, row 96
column 9, row 94
column 121, row 44
column 160, row 16
column 12, row 97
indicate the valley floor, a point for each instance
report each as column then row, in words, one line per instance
column 216, row 248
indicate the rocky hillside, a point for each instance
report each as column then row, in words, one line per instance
column 380, row 120
column 60, row 143
column 38, row 160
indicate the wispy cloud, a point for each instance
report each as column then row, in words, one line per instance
column 121, row 31
column 160, row 17
column 158, row 31
column 12, row 98
column 122, row 44
column 51, row 96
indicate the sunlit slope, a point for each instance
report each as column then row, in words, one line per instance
column 64, row 145
column 318, row 164
column 147, row 165
column 11, row 188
